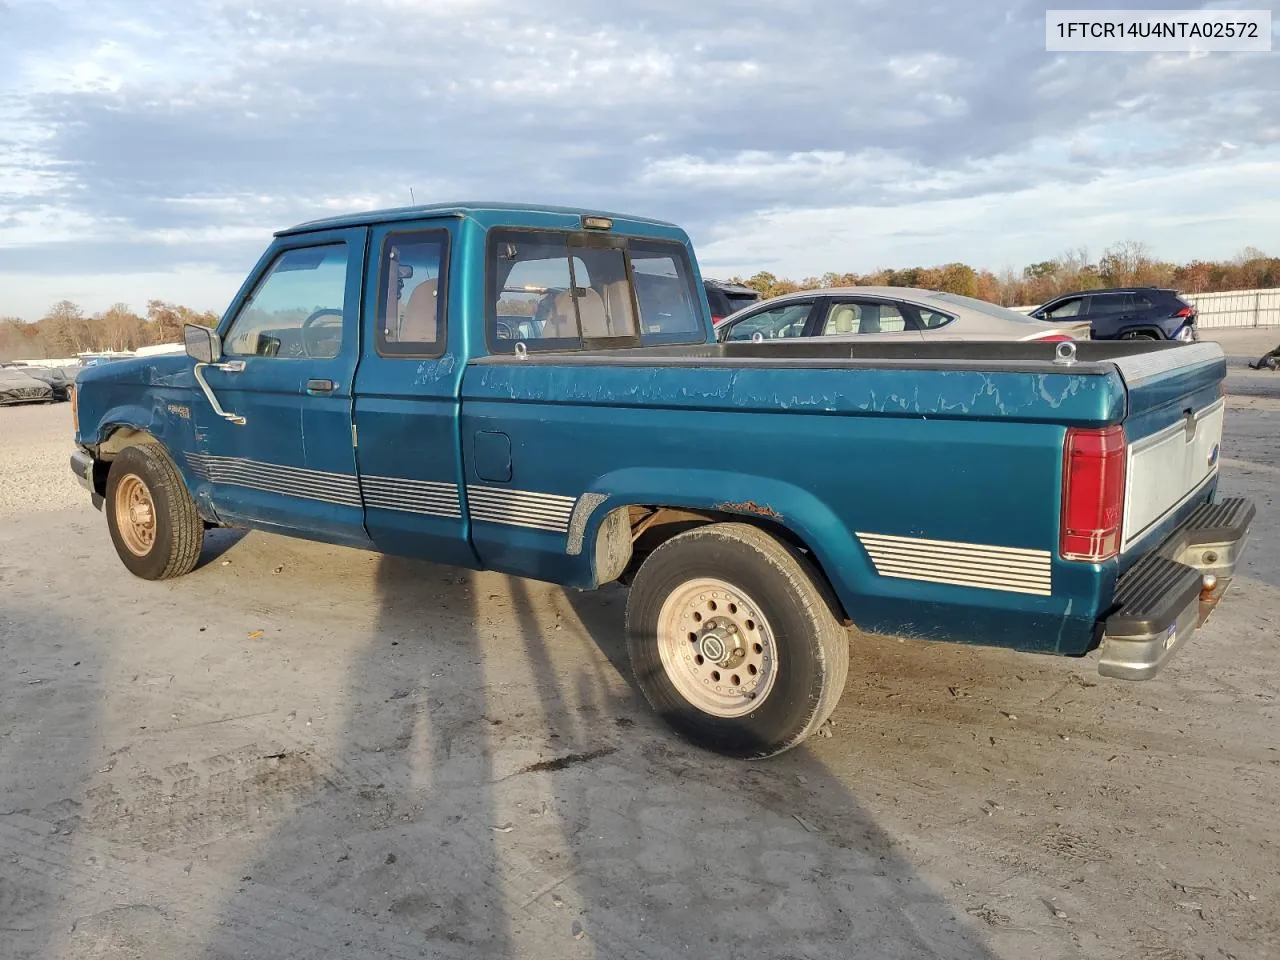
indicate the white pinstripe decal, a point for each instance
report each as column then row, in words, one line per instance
column 520, row 508
column 988, row 567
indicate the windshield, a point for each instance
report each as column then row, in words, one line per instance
column 982, row 306
column 553, row 291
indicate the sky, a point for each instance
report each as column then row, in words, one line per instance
column 149, row 151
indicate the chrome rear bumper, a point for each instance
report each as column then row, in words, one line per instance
column 1169, row 594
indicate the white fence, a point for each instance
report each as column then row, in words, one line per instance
column 1231, row 308
column 1236, row 308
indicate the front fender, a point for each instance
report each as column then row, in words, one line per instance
column 165, row 419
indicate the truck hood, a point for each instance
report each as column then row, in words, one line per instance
column 160, row 370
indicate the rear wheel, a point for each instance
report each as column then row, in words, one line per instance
column 733, row 642
column 154, row 523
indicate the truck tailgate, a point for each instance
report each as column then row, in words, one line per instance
column 1174, row 432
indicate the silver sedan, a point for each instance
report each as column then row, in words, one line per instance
column 888, row 313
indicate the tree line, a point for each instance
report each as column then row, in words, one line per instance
column 66, row 330
column 1121, row 265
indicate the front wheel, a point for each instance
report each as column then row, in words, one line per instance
column 154, row 524
column 733, row 642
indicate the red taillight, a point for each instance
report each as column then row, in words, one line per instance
column 1052, row 338
column 1093, row 465
column 715, row 319
column 1184, row 312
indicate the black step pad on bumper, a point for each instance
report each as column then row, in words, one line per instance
column 1151, row 596
column 1221, row 522
column 1167, row 595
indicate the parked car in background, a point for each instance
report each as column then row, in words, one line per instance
column 727, row 298
column 18, row 386
column 59, row 379
column 888, row 313
column 1125, row 313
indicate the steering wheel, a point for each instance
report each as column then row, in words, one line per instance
column 307, row 343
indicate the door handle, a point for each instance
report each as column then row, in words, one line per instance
column 318, row 387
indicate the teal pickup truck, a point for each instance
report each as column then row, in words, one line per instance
column 538, row 391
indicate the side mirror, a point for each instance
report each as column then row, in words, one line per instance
column 203, row 343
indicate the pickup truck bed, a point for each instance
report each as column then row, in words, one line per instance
column 759, row 498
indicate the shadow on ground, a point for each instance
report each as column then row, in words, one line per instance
column 505, row 797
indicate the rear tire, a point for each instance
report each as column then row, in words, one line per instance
column 733, row 641
column 154, row 524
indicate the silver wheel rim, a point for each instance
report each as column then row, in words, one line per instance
column 717, row 647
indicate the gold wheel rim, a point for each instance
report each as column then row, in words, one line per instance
column 135, row 515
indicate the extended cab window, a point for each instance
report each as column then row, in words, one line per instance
column 411, row 305
column 296, row 310
column 555, row 290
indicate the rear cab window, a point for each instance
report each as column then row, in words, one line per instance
column 563, row 291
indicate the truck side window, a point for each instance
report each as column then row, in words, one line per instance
column 297, row 308
column 411, row 305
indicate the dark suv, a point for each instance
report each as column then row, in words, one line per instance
column 726, row 298
column 1126, row 313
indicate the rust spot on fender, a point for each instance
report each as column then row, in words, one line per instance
column 750, row 506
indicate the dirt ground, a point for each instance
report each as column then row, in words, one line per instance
column 301, row 751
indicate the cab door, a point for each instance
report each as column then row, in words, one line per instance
column 407, row 392
column 290, row 345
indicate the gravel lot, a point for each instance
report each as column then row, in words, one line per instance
column 301, row 751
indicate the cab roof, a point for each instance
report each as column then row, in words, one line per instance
column 459, row 209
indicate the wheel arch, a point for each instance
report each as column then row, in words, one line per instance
column 649, row 507
column 118, row 434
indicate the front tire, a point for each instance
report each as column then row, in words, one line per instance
column 154, row 524
column 733, row 642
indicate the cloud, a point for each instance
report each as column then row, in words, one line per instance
column 186, row 135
